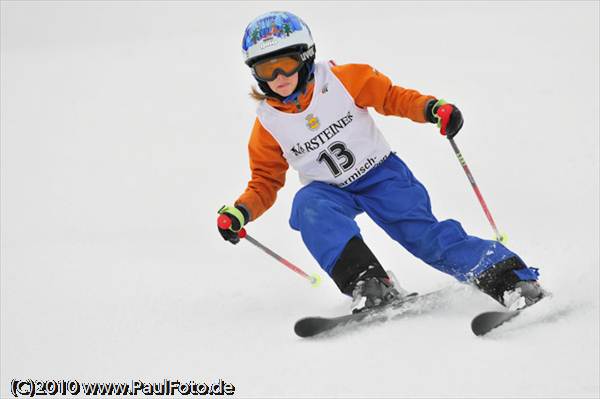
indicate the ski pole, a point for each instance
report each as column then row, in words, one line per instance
column 224, row 222
column 499, row 237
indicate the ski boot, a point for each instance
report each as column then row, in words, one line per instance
column 359, row 274
column 511, row 283
column 372, row 292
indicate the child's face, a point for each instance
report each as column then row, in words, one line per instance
column 283, row 85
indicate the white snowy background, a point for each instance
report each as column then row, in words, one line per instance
column 124, row 129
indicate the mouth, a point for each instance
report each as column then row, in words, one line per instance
column 283, row 85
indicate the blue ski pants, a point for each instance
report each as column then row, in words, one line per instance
column 392, row 197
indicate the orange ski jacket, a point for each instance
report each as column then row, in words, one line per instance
column 367, row 86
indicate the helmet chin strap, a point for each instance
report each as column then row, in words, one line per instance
column 293, row 97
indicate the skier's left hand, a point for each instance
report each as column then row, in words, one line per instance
column 447, row 116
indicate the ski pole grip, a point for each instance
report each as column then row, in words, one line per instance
column 444, row 112
column 223, row 222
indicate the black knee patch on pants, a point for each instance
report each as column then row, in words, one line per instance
column 356, row 259
column 500, row 278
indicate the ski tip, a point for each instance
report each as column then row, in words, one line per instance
column 308, row 326
column 487, row 321
column 476, row 326
column 311, row 326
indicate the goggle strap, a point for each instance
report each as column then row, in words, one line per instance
column 308, row 53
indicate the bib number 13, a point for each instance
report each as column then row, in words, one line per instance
column 337, row 157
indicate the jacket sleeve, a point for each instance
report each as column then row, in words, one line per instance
column 268, row 168
column 371, row 88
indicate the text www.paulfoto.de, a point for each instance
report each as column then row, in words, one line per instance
column 166, row 387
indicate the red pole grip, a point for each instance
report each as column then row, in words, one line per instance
column 223, row 222
column 444, row 113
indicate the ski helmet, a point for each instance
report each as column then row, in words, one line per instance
column 276, row 33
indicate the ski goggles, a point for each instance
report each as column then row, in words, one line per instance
column 285, row 64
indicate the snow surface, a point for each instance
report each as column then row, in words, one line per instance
column 124, row 129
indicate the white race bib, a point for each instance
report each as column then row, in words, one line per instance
column 333, row 140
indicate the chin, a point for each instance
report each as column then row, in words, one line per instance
column 288, row 92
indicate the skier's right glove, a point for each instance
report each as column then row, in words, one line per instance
column 238, row 217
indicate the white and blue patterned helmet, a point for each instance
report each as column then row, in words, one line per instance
column 273, row 33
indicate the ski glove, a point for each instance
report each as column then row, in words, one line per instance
column 238, row 217
column 447, row 116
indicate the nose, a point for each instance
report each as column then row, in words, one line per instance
column 278, row 74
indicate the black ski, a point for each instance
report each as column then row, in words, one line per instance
column 485, row 322
column 408, row 305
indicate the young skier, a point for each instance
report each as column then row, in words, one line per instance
column 313, row 116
